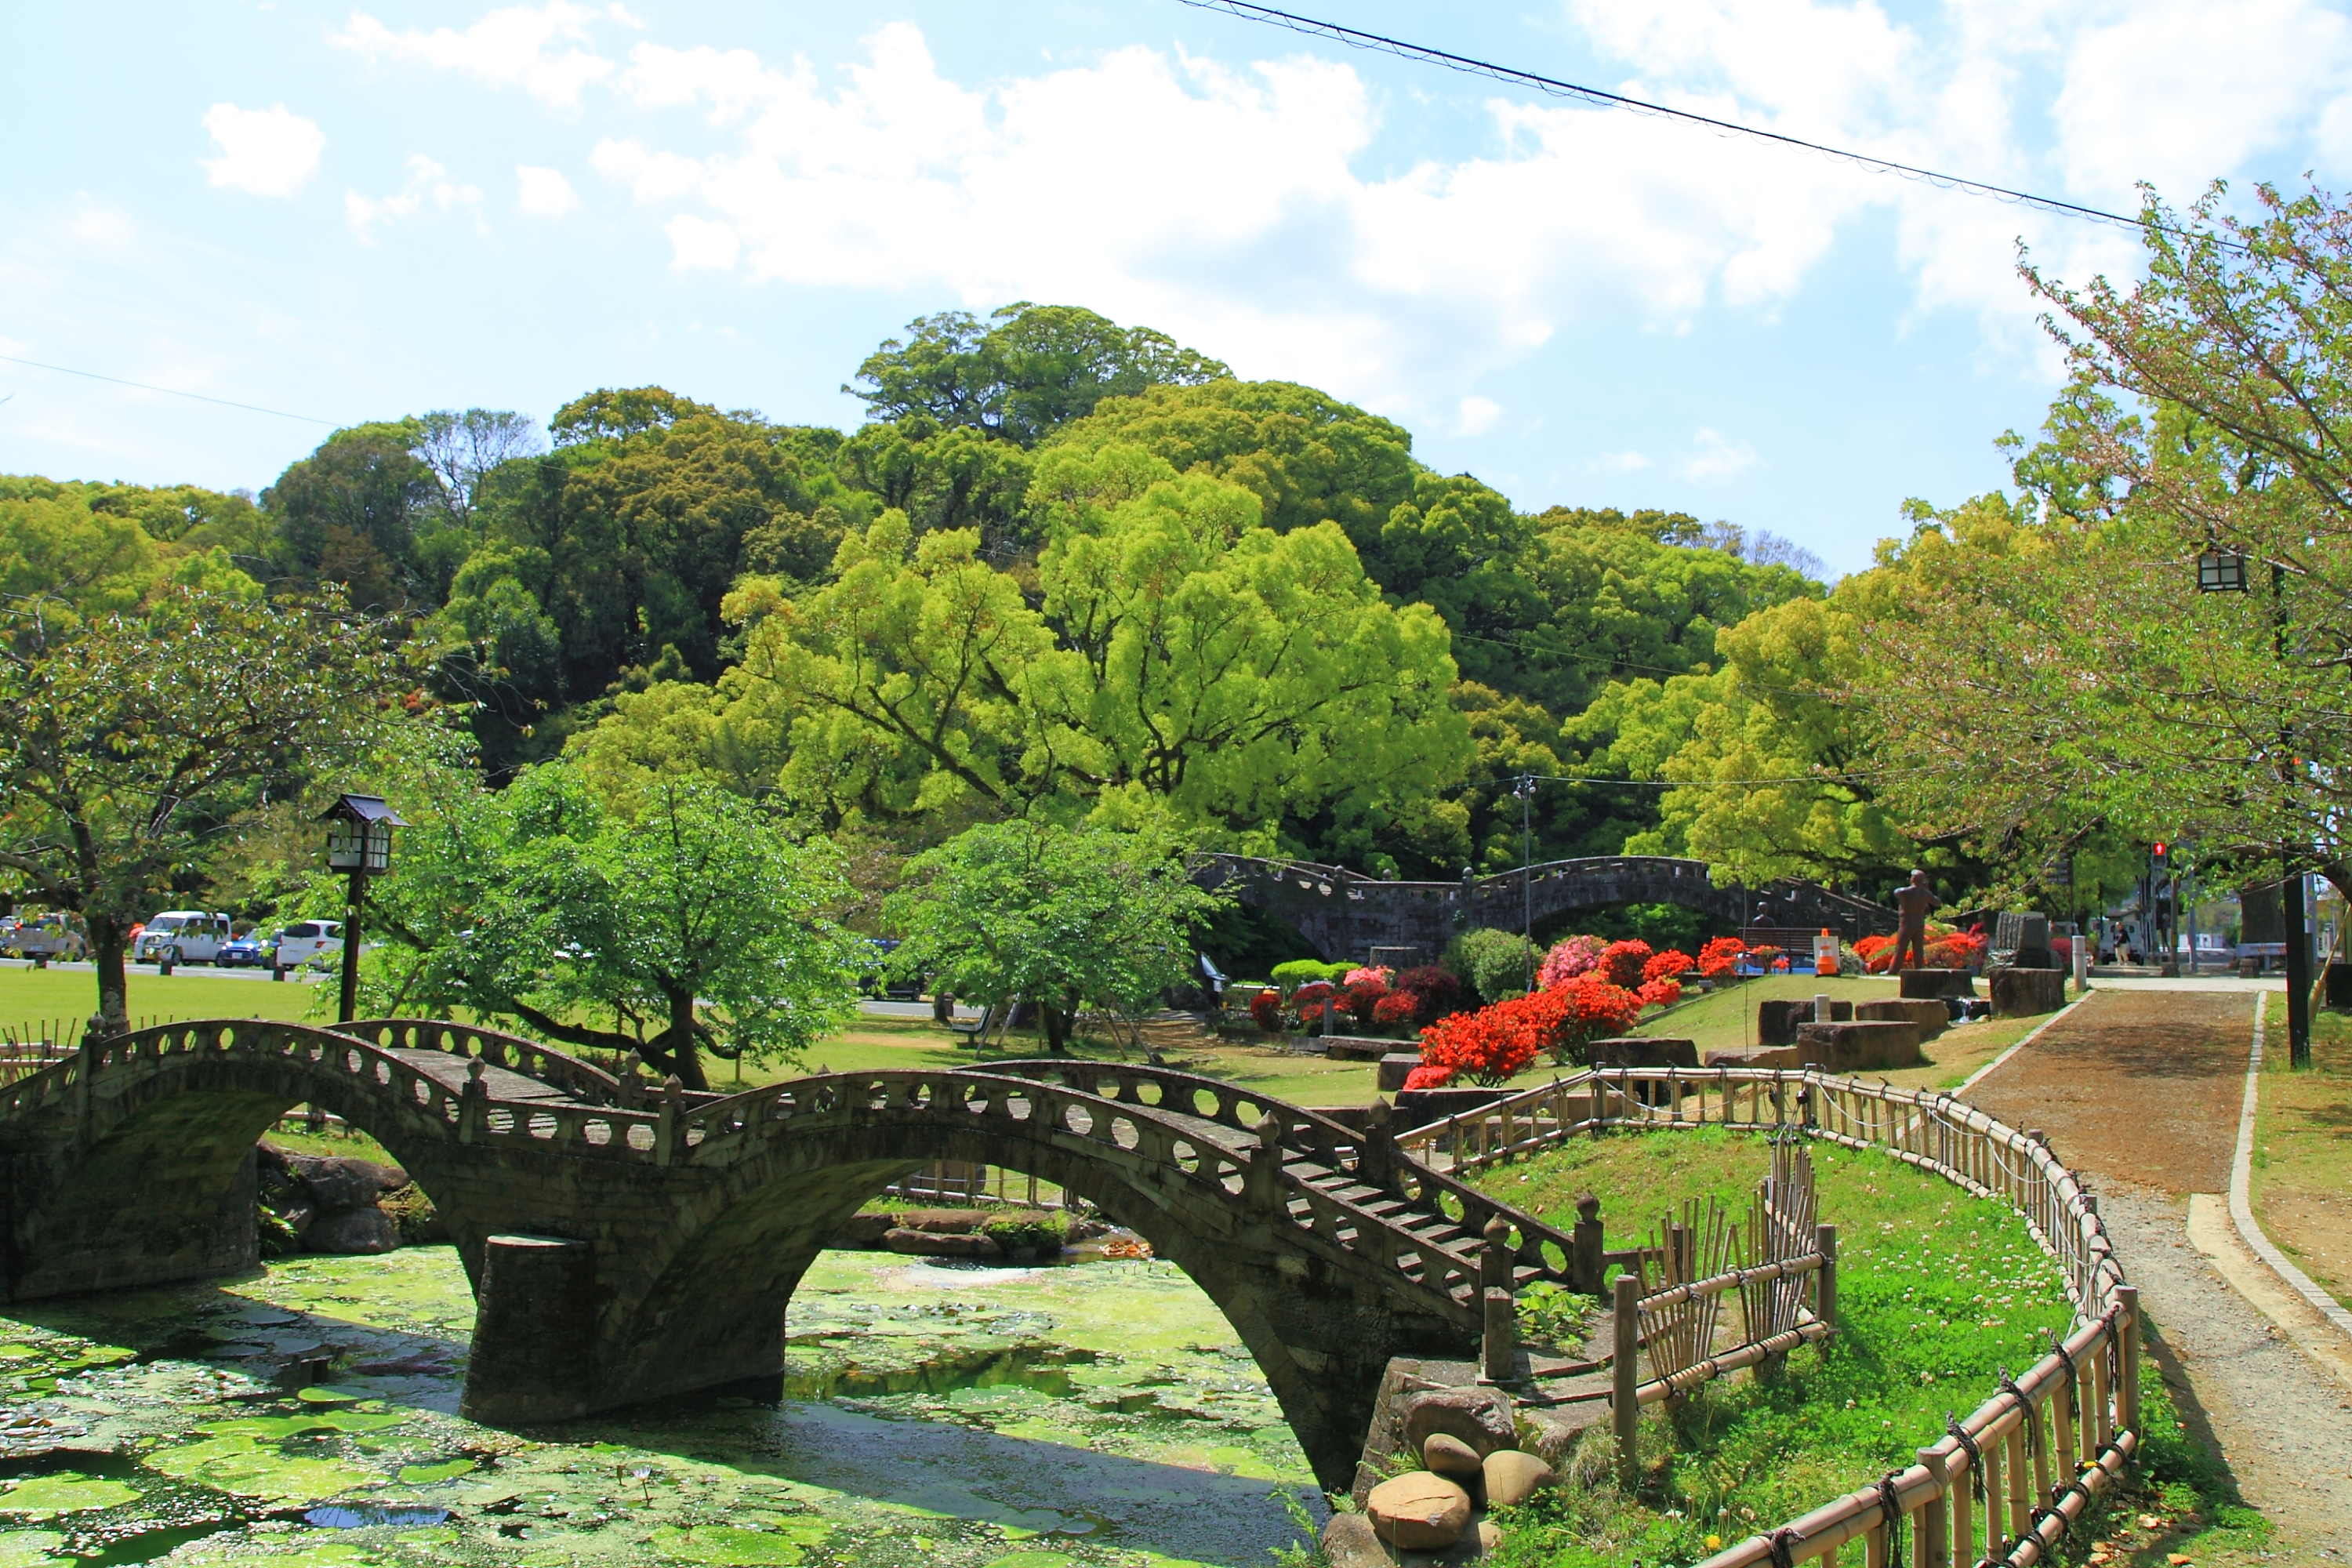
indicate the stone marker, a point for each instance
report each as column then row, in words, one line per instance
column 1643, row 1051
column 1776, row 1021
column 1449, row 1455
column 1419, row 1513
column 1395, row 1068
column 1512, row 1478
column 2021, row 993
column 1919, row 982
column 1859, row 1047
column 1930, row 1014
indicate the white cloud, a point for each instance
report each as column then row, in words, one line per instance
column 429, row 183
column 698, row 242
column 268, row 152
column 1478, row 415
column 543, row 193
column 516, row 46
column 1625, row 462
column 1717, row 459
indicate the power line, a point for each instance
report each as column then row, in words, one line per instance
column 167, row 391
column 1379, row 43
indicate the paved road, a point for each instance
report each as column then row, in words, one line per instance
column 2139, row 1090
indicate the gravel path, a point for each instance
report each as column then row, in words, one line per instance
column 2139, row 1093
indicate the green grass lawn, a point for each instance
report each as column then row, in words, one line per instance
column 2303, row 1149
column 1939, row 1292
column 35, row 1002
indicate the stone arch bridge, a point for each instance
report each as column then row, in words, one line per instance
column 626, row 1242
column 1344, row 914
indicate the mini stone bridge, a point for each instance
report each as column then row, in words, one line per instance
column 626, row 1242
column 1345, row 914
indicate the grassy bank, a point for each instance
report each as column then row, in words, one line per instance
column 2303, row 1150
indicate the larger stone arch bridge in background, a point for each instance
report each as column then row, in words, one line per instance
column 626, row 1241
column 1345, row 914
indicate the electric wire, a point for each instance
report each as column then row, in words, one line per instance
column 1378, row 43
column 167, row 391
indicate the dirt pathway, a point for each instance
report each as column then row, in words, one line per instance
column 2139, row 1092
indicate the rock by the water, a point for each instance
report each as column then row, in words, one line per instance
column 1349, row 1541
column 1419, row 1513
column 930, row 1244
column 1449, row 1455
column 1480, row 1417
column 1512, row 1476
column 865, row 1229
column 368, row 1229
column 339, row 1182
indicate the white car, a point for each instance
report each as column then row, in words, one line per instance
column 303, row 940
column 183, row 936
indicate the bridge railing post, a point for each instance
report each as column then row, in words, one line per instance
column 1585, row 1261
column 1264, row 1178
column 666, row 1132
column 1500, row 1341
column 1376, row 1157
column 469, row 1102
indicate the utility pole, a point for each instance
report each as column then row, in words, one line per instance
column 1527, row 869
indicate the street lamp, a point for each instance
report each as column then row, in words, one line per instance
column 2224, row 571
column 359, row 844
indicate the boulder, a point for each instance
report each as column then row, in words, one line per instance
column 1479, row 1417
column 359, row 1230
column 1446, row 1454
column 865, row 1229
column 934, row 1244
column 1932, row 1015
column 941, row 1222
column 1643, row 1051
column 1776, row 1021
column 1757, row 1057
column 1512, row 1476
column 1419, row 1513
column 1914, row 983
column 2021, row 993
column 339, row 1183
column 1351, row 1541
column 1859, row 1047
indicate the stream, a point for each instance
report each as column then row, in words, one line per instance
column 930, row 1412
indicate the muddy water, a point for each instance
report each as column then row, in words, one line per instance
column 931, row 1412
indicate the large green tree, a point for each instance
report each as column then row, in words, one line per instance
column 1066, row 919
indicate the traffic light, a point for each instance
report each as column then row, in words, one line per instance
column 2161, row 851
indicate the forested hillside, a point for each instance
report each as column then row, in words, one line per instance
column 1065, row 568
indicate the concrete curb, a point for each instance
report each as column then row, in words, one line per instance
column 2241, row 1174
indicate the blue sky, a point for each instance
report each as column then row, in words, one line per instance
column 357, row 212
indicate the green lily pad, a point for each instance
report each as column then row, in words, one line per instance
column 328, row 1393
column 730, row 1546
column 1036, row 1559
column 32, row 1549
column 247, row 1469
column 64, row 1493
column 427, row 1475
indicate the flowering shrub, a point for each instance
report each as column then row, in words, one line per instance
column 1767, row 958
column 1439, row 992
column 1962, row 950
column 1313, row 992
column 1266, row 1010
column 1490, row 1045
column 1356, row 977
column 1876, row 953
column 1427, row 1077
column 1720, row 956
column 1568, row 959
column 1667, row 965
column 1363, row 995
column 1592, row 1008
column 1622, row 961
column 1663, row 992
column 1396, row 1009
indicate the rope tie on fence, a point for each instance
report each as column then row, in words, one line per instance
column 2024, row 1411
column 1968, row 1447
column 1783, row 1544
column 1890, row 1514
column 2058, row 1348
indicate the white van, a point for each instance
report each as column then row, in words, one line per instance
column 303, row 940
column 183, row 936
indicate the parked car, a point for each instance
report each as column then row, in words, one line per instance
column 253, row 949
column 306, row 940
column 42, row 937
column 183, row 936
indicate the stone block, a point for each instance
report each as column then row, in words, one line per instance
column 1419, row 1106
column 865, row 1229
column 1395, row 1068
column 934, row 1244
column 1930, row 1014
column 1479, row 1417
column 1776, row 1021
column 1757, row 1057
column 1643, row 1051
column 1357, row 1048
column 2023, row 993
column 534, row 1331
column 1915, row 984
column 1859, row 1047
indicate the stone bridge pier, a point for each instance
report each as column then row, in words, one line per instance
column 626, row 1243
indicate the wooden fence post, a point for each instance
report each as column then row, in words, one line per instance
column 2127, row 1369
column 1932, row 1534
column 1625, row 1379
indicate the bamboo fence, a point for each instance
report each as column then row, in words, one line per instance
column 2006, row 1484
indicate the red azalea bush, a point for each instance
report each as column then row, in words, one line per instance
column 1876, row 953
column 1363, row 996
column 1266, row 1010
column 1962, row 950
column 1667, row 965
column 1427, row 1077
column 1720, row 956
column 1664, row 991
column 1621, row 962
column 1357, row 975
column 1490, row 1044
column 1440, row 992
column 1396, row 1009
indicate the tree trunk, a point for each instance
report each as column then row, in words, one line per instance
column 678, row 1040
column 106, row 951
column 1056, row 1024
